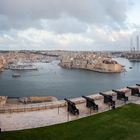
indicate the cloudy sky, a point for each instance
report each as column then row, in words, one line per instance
column 68, row 24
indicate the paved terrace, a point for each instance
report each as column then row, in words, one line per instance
column 18, row 117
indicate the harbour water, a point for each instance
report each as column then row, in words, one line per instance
column 52, row 80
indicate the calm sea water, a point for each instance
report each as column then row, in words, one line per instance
column 52, row 80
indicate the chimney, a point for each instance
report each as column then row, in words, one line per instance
column 137, row 39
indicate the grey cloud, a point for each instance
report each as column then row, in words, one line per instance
column 62, row 17
column 64, row 25
column 26, row 13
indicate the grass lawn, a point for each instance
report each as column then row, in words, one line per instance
column 120, row 124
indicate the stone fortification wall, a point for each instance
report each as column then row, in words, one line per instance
column 57, row 104
column 3, row 100
column 100, row 64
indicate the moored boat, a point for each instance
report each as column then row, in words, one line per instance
column 23, row 67
column 15, row 75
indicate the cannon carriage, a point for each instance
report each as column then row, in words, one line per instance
column 137, row 84
column 108, row 99
column 72, row 107
column 121, row 95
column 134, row 91
column 90, row 103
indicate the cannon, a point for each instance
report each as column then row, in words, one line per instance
column 137, row 84
column 90, row 103
column 134, row 91
column 108, row 100
column 71, row 107
column 121, row 95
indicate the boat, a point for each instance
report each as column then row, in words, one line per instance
column 45, row 61
column 15, row 75
column 23, row 67
column 134, row 57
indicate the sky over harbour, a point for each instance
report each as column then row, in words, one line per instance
column 68, row 24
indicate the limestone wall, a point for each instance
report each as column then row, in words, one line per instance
column 61, row 103
column 100, row 64
column 37, row 99
column 3, row 100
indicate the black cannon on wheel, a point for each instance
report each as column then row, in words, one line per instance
column 121, row 95
column 137, row 84
column 71, row 107
column 108, row 99
column 134, row 91
column 90, row 103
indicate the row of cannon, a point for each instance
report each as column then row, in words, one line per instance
column 108, row 99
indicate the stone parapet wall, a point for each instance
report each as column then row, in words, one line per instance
column 3, row 100
column 58, row 104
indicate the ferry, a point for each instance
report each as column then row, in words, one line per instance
column 23, row 67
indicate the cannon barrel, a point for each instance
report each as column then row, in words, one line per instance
column 88, row 98
column 102, row 94
column 108, row 100
column 138, row 84
column 105, row 95
column 131, row 87
column 70, row 102
column 71, row 107
column 117, row 91
column 134, row 91
column 121, row 95
column 90, row 103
